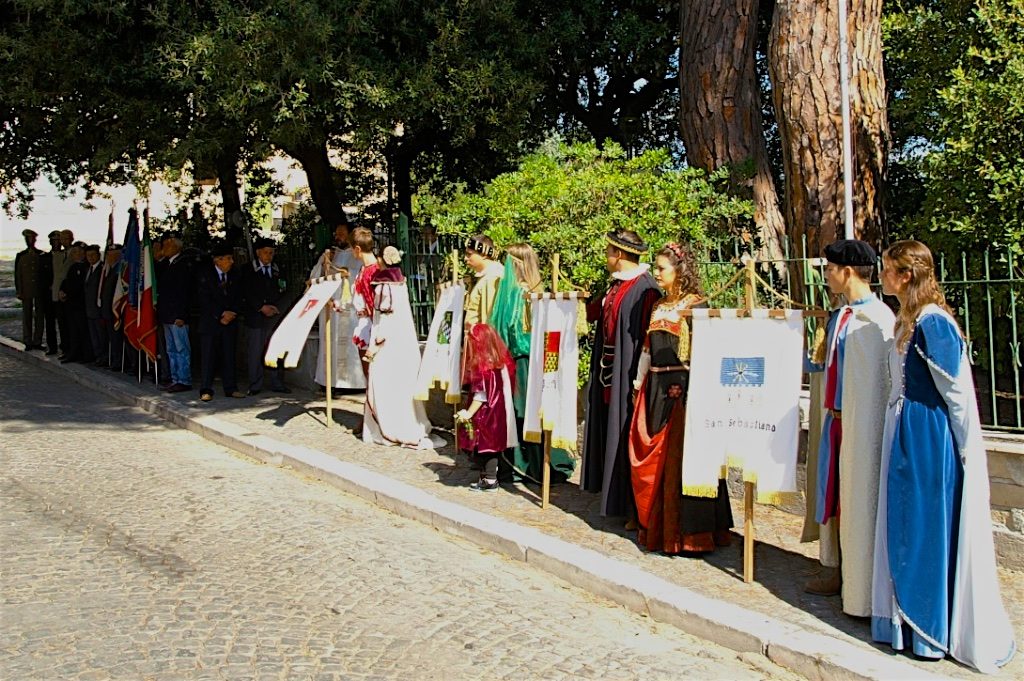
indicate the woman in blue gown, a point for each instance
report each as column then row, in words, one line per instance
column 935, row 587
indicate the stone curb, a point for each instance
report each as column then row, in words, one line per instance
column 815, row 656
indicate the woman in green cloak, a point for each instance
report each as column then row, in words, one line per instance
column 510, row 318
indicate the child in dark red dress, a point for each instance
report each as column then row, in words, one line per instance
column 487, row 427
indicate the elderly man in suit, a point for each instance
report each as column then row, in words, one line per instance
column 93, row 274
column 265, row 302
column 174, row 282
column 220, row 299
column 110, row 275
column 29, row 290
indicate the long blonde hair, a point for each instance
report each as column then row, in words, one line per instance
column 526, row 265
column 922, row 289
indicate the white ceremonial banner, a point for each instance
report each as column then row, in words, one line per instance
column 742, row 406
column 441, row 363
column 554, row 366
column 290, row 335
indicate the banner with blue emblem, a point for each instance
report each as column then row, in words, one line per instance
column 743, row 403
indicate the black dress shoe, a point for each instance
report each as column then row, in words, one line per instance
column 283, row 389
column 51, row 352
column 253, row 393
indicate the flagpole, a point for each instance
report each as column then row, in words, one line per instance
column 844, row 86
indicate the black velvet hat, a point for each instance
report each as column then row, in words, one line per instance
column 627, row 241
column 851, row 252
column 264, row 242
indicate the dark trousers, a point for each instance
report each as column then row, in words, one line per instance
column 99, row 338
column 218, row 351
column 32, row 321
column 79, row 347
column 122, row 355
column 64, row 325
column 256, row 342
column 50, row 315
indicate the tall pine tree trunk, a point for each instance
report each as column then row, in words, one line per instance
column 720, row 105
column 312, row 155
column 804, row 67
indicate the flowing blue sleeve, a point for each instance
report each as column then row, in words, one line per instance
column 938, row 342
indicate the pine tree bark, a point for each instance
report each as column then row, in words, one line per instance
column 804, row 69
column 720, row 108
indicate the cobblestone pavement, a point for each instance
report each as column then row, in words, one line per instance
column 134, row 550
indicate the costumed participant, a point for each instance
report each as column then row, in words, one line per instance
column 391, row 414
column 347, row 372
column 669, row 521
column 936, row 589
column 510, row 318
column 622, row 317
column 362, row 292
column 487, row 427
column 858, row 336
column 480, row 256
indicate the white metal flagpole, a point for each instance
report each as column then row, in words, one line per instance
column 844, row 86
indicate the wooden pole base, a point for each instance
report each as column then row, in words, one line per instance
column 748, row 532
column 545, row 492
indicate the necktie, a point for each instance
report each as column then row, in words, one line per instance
column 222, row 277
column 266, row 271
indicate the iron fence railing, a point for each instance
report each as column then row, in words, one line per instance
column 984, row 290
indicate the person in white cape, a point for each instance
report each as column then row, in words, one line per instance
column 346, row 368
column 392, row 415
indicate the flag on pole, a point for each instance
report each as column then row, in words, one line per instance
column 140, row 319
column 126, row 265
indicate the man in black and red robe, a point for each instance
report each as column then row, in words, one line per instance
column 622, row 316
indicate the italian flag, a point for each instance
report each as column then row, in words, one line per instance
column 140, row 326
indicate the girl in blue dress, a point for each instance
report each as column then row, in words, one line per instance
column 935, row 587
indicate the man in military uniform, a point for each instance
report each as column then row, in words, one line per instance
column 28, row 289
column 264, row 293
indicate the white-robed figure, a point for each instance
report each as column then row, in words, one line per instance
column 936, row 589
column 347, row 371
column 392, row 415
column 845, row 484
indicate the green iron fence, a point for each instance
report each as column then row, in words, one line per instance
column 985, row 291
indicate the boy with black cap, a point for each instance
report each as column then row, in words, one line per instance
column 622, row 317
column 856, row 349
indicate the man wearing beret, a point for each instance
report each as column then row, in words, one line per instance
column 29, row 290
column 844, row 486
column 220, row 300
column 264, row 294
column 110, row 275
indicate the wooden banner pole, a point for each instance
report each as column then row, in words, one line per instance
column 328, row 361
column 750, row 302
column 545, row 490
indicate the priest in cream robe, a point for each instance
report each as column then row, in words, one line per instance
column 347, row 372
column 845, row 483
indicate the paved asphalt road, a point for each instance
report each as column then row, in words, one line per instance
column 130, row 549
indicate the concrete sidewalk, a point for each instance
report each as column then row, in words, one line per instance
column 703, row 596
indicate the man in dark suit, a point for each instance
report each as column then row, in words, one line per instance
column 265, row 302
column 72, row 298
column 97, row 333
column 110, row 275
column 29, row 291
column 174, row 284
column 220, row 298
